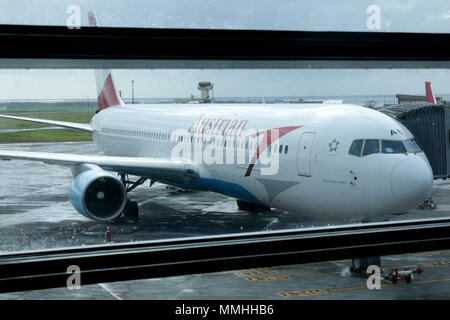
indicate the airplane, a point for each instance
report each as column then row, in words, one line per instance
column 334, row 162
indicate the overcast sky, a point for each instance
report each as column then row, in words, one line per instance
column 323, row 15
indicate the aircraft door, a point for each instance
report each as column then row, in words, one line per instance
column 304, row 154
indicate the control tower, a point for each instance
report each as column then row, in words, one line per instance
column 205, row 87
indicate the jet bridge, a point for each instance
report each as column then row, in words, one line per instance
column 430, row 125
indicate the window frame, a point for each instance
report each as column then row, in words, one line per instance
column 401, row 141
column 362, row 148
column 379, row 148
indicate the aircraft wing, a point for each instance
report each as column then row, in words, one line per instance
column 158, row 169
column 70, row 125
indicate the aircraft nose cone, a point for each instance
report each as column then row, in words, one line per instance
column 412, row 182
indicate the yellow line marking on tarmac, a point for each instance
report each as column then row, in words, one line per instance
column 351, row 288
column 337, row 263
column 264, row 277
column 392, row 284
column 429, row 281
column 254, row 272
column 302, row 264
column 267, row 278
column 314, row 274
column 310, row 268
column 304, row 293
column 184, row 212
column 429, row 264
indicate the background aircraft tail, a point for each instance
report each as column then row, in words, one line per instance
column 429, row 93
column 107, row 94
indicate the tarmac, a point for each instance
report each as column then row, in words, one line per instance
column 36, row 214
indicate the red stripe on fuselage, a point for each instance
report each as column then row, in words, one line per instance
column 267, row 140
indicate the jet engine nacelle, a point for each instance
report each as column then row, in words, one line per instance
column 98, row 195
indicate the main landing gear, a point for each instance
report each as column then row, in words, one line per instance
column 251, row 207
column 361, row 264
column 131, row 211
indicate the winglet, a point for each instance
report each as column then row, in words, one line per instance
column 429, row 93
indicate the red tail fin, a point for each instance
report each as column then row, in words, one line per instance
column 92, row 19
column 106, row 89
column 429, row 93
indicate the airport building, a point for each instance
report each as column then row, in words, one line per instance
column 430, row 125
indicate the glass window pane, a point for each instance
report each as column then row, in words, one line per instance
column 391, row 146
column 371, row 146
column 305, row 15
column 412, row 146
column 31, row 93
column 356, row 147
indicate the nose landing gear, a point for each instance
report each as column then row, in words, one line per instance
column 361, row 264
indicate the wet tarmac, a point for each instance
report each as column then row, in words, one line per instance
column 35, row 213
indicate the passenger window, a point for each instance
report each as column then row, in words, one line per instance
column 371, row 146
column 356, row 147
column 281, row 148
column 391, row 146
column 286, row 149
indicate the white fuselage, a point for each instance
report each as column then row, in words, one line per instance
column 317, row 176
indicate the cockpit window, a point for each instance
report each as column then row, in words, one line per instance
column 412, row 146
column 371, row 146
column 356, row 147
column 391, row 146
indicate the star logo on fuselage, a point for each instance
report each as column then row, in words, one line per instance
column 333, row 145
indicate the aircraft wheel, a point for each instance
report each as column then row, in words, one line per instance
column 359, row 264
column 251, row 207
column 242, row 205
column 374, row 261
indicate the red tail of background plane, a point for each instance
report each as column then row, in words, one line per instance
column 429, row 93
